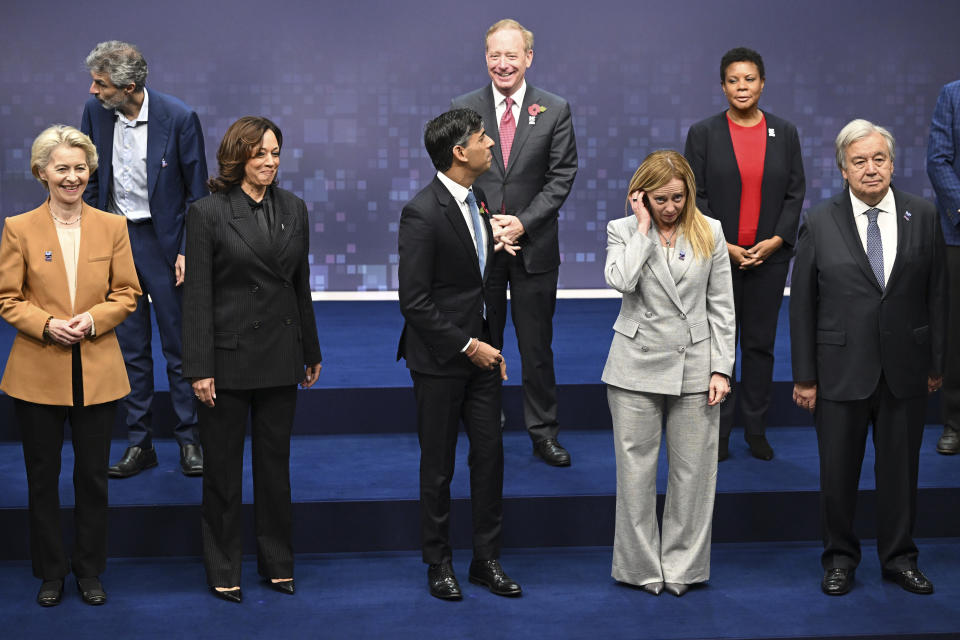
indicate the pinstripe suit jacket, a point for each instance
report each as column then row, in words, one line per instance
column 943, row 160
column 676, row 323
column 247, row 314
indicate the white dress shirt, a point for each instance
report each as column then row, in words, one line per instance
column 130, row 195
column 459, row 193
column 886, row 220
column 500, row 101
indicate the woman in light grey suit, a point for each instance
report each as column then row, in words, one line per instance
column 672, row 355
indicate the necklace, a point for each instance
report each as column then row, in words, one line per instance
column 667, row 241
column 64, row 222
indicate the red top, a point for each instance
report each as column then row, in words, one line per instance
column 750, row 147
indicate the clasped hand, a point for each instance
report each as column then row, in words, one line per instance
column 485, row 356
column 70, row 332
column 754, row 256
column 507, row 230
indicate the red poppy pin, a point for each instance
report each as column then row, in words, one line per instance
column 483, row 208
column 534, row 110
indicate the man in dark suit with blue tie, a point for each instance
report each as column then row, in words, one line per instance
column 867, row 329
column 449, row 304
column 533, row 167
column 152, row 166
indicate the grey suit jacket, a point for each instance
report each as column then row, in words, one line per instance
column 539, row 175
column 676, row 323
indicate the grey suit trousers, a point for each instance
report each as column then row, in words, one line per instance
column 642, row 555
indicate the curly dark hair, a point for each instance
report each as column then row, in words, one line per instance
column 239, row 144
column 740, row 54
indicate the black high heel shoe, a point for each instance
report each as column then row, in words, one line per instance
column 230, row 595
column 284, row 586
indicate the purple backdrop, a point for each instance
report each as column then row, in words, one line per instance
column 351, row 85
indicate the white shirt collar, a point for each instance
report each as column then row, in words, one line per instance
column 142, row 116
column 886, row 205
column 457, row 190
column 517, row 95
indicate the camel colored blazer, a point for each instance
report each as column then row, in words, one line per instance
column 676, row 322
column 33, row 287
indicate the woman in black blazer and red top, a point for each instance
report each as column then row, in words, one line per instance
column 749, row 173
column 249, row 337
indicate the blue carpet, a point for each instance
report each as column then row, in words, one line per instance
column 755, row 591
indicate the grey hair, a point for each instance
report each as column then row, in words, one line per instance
column 120, row 61
column 858, row 130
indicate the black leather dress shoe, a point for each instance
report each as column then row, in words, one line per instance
column 489, row 573
column 91, row 591
column 723, row 449
column 759, row 447
column 232, row 595
column 443, row 583
column 837, row 581
column 551, row 452
column 50, row 593
column 191, row 460
column 949, row 442
column 134, row 461
column 284, row 586
column 911, row 580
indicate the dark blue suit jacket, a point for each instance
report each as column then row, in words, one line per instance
column 943, row 160
column 176, row 164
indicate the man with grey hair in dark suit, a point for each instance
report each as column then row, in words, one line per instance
column 867, row 330
column 534, row 164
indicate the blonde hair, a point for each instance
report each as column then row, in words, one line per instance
column 510, row 23
column 656, row 170
column 51, row 138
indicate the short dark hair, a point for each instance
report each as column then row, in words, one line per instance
column 448, row 130
column 239, row 143
column 740, row 54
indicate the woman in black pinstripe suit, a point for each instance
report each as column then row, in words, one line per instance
column 249, row 337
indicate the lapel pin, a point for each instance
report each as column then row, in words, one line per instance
column 682, row 254
column 282, row 227
column 48, row 256
column 907, row 215
column 163, row 162
column 771, row 132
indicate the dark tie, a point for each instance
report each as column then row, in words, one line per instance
column 508, row 128
column 477, row 230
column 875, row 246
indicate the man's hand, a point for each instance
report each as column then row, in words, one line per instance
column 500, row 245
column 180, row 268
column 510, row 228
column 312, row 372
column 805, row 395
column 61, row 332
column 205, row 391
column 483, row 355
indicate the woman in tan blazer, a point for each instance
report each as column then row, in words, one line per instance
column 66, row 280
column 670, row 360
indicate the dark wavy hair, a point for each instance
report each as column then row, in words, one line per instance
column 239, row 144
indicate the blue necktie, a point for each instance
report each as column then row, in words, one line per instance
column 477, row 230
column 875, row 246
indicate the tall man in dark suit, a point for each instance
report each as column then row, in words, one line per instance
column 867, row 316
column 152, row 166
column 449, row 304
column 943, row 168
column 534, row 164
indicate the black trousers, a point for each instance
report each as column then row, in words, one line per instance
column 533, row 301
column 757, row 294
column 950, row 392
column 41, row 426
column 442, row 402
column 222, row 430
column 841, row 439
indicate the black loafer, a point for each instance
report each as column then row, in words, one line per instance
column 134, row 461
column 191, row 460
column 911, row 580
column 551, row 452
column 759, row 447
column 949, row 442
column 443, row 583
column 91, row 591
column 489, row 574
column 284, row 586
column 50, row 593
column 233, row 595
column 837, row 581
